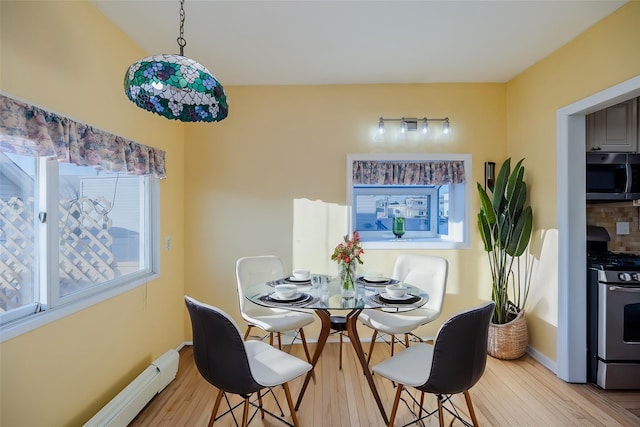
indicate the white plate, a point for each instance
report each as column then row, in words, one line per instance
column 294, row 279
column 404, row 297
column 291, row 298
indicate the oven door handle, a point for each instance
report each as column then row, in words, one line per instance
column 624, row 289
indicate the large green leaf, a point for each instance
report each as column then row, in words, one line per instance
column 517, row 202
column 486, row 206
column 515, row 178
column 499, row 189
column 521, row 233
column 485, row 232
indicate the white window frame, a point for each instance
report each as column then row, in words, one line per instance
column 33, row 316
column 459, row 236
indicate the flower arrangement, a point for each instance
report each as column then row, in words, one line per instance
column 349, row 251
column 347, row 254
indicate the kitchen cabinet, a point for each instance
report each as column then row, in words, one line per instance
column 614, row 128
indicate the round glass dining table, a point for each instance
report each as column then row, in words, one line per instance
column 323, row 294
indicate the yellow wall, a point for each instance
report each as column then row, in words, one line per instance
column 282, row 143
column 606, row 54
column 231, row 185
column 66, row 57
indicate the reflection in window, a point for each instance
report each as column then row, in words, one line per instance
column 100, row 237
column 409, row 201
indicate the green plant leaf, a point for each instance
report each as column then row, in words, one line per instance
column 485, row 231
column 486, row 206
column 500, row 186
column 518, row 201
column 515, row 178
column 521, row 233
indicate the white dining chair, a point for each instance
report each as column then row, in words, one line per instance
column 427, row 272
column 253, row 270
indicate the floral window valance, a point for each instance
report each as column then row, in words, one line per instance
column 408, row 172
column 32, row 131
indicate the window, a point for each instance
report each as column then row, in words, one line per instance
column 78, row 215
column 408, row 201
column 70, row 235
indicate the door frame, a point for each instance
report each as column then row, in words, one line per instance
column 571, row 363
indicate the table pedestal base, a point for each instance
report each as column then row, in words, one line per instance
column 352, row 319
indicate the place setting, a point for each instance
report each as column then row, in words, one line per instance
column 395, row 294
column 375, row 279
column 287, row 295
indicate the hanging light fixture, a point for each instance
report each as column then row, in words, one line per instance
column 175, row 86
column 410, row 124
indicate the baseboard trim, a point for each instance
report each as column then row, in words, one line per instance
column 542, row 359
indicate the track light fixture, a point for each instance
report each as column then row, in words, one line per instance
column 409, row 124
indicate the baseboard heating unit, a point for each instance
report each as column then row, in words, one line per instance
column 123, row 408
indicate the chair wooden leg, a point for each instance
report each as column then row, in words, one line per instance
column 406, row 340
column 472, row 413
column 260, row 403
column 396, row 401
column 304, row 345
column 440, row 413
column 373, row 341
column 340, row 359
column 421, row 404
column 246, row 334
column 393, row 340
column 245, row 413
column 271, row 339
column 216, row 405
column 279, row 341
column 287, row 393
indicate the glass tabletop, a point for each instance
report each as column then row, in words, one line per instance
column 324, row 292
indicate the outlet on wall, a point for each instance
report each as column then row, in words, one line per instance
column 622, row 228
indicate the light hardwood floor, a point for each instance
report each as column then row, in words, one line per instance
column 510, row 393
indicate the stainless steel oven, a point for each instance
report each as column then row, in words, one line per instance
column 615, row 321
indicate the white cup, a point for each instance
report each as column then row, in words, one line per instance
column 396, row 291
column 301, row 274
column 373, row 276
column 285, row 291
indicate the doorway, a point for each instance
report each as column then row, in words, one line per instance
column 571, row 365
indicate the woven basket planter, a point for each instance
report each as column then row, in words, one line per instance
column 510, row 340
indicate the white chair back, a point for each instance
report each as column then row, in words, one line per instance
column 426, row 272
column 254, row 270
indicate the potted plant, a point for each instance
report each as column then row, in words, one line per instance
column 505, row 222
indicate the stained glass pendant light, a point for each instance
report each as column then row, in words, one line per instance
column 175, row 86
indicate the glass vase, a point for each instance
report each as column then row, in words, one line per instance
column 398, row 226
column 348, row 279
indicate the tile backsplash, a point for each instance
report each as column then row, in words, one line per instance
column 607, row 217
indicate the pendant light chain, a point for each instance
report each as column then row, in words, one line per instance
column 181, row 41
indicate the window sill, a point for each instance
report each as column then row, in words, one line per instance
column 415, row 243
column 36, row 320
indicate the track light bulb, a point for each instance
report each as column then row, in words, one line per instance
column 403, row 126
column 445, row 127
column 424, row 127
column 381, row 126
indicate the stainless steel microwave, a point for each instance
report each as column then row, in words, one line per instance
column 613, row 176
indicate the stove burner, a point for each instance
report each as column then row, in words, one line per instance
column 614, row 261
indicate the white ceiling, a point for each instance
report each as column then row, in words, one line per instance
column 265, row 42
